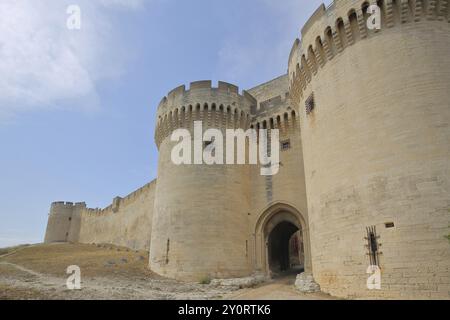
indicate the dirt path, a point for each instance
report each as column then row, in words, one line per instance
column 278, row 289
column 31, row 272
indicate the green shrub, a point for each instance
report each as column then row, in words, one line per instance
column 205, row 280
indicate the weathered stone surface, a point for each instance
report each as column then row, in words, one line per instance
column 240, row 283
column 376, row 150
column 305, row 283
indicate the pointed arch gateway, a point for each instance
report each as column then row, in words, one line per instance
column 274, row 231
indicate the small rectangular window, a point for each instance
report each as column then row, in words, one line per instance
column 285, row 145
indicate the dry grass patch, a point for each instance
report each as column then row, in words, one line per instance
column 14, row 293
column 4, row 251
column 94, row 261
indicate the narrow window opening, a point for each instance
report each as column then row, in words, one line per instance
column 246, row 248
column 167, row 251
column 373, row 246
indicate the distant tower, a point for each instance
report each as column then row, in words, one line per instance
column 375, row 117
column 200, row 226
column 64, row 222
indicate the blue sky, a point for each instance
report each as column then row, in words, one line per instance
column 77, row 107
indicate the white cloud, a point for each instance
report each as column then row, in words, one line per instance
column 42, row 63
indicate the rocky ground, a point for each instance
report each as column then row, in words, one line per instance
column 108, row 272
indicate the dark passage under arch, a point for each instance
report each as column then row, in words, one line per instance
column 285, row 248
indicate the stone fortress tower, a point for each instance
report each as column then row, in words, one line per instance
column 364, row 174
column 64, row 222
column 207, row 236
column 375, row 116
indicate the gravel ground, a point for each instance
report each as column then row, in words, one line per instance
column 108, row 272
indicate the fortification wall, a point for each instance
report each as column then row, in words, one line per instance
column 201, row 211
column 288, row 186
column 127, row 222
column 377, row 145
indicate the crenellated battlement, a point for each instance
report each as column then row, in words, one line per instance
column 333, row 29
column 220, row 107
column 112, row 208
column 276, row 113
column 201, row 90
column 271, row 105
column 66, row 205
column 119, row 201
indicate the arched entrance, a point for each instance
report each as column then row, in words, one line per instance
column 282, row 241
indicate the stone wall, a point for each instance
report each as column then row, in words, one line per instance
column 377, row 147
column 127, row 222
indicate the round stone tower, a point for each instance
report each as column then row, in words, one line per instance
column 64, row 222
column 201, row 211
column 375, row 117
